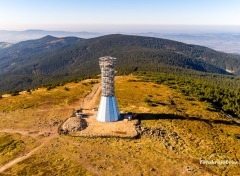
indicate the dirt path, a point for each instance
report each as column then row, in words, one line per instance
column 47, row 109
column 20, row 158
column 90, row 100
column 31, row 133
column 87, row 103
column 22, row 132
column 26, row 155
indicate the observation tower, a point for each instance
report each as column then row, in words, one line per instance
column 108, row 109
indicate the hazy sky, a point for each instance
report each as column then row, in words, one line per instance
column 100, row 15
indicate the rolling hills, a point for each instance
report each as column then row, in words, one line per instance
column 51, row 60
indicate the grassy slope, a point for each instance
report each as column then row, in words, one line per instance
column 41, row 107
column 202, row 132
column 39, row 112
column 12, row 145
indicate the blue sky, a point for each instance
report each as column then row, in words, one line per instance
column 96, row 15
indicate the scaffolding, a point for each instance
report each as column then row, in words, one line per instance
column 107, row 65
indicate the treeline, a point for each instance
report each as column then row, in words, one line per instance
column 24, row 82
column 225, row 99
column 226, row 81
column 32, row 82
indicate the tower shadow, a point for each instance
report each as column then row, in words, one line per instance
column 149, row 116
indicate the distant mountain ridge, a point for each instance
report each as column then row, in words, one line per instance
column 27, row 52
column 17, row 36
column 51, row 59
column 224, row 41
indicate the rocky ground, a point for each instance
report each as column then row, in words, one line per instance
column 170, row 139
column 88, row 126
column 73, row 124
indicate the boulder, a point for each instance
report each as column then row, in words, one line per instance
column 74, row 124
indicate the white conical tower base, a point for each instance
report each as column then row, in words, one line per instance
column 108, row 110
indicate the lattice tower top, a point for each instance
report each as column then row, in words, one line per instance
column 107, row 65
